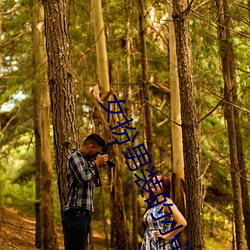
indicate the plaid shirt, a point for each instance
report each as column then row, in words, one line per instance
column 80, row 179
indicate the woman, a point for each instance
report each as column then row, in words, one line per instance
column 155, row 235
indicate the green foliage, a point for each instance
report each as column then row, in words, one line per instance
column 25, row 174
column 217, row 229
column 17, row 189
column 15, row 73
column 17, row 167
column 19, row 197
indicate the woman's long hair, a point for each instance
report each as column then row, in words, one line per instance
column 166, row 187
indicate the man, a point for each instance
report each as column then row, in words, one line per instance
column 82, row 169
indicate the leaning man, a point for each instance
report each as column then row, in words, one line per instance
column 82, row 171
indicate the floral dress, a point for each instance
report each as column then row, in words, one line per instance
column 150, row 242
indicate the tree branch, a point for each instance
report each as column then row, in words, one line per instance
column 14, row 8
column 10, row 120
column 161, row 112
column 200, row 5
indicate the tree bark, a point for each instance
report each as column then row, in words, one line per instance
column 117, row 203
column 144, row 89
column 104, row 219
column 61, row 87
column 243, row 178
column 191, row 146
column 101, row 51
column 248, row 4
column 1, row 62
column 134, row 206
column 176, row 131
column 46, row 237
column 231, row 116
column 1, row 32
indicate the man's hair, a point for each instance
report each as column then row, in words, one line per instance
column 94, row 139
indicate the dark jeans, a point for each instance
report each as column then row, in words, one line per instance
column 76, row 226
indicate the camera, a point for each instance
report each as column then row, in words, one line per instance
column 110, row 162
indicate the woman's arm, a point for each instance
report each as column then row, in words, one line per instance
column 181, row 223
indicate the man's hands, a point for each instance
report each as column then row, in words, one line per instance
column 101, row 160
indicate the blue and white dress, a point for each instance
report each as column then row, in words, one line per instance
column 150, row 242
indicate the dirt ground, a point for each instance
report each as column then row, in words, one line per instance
column 18, row 232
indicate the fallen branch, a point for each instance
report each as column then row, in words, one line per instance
column 19, row 227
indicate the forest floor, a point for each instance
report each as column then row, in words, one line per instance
column 18, row 232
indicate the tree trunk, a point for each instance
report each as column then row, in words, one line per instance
column 248, row 4
column 176, row 132
column 104, row 219
column 243, row 179
column 46, row 237
column 117, row 203
column 1, row 32
column 233, row 236
column 61, row 88
column 1, row 62
column 37, row 68
column 134, row 206
column 101, row 51
column 144, row 86
column 230, row 93
column 189, row 125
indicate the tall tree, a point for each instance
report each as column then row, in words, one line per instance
column 181, row 17
column 61, row 87
column 231, row 115
column 1, row 31
column 102, row 70
column 176, row 131
column 117, row 203
column 248, row 4
column 101, row 51
column 243, row 178
column 144, row 88
column 46, row 237
column 134, row 206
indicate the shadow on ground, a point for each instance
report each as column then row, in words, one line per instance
column 18, row 232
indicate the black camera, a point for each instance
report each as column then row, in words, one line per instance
column 110, row 162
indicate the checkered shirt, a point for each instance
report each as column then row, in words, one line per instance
column 80, row 179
